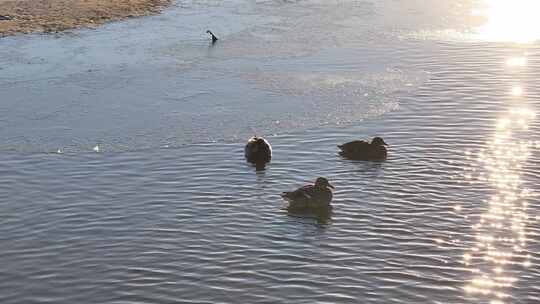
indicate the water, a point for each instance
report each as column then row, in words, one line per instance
column 168, row 210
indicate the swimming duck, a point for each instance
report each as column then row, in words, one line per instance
column 362, row 150
column 214, row 38
column 314, row 196
column 258, row 151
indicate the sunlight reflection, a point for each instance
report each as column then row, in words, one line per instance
column 512, row 21
column 517, row 91
column 517, row 61
column 501, row 234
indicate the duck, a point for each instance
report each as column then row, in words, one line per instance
column 316, row 196
column 363, row 150
column 258, row 151
column 214, row 38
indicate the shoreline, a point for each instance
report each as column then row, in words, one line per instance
column 51, row 16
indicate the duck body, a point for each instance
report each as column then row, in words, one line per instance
column 258, row 151
column 317, row 196
column 363, row 150
column 214, row 38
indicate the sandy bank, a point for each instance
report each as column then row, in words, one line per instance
column 26, row 16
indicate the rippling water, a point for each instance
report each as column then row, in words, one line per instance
column 175, row 215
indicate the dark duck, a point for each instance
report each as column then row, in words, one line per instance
column 258, row 151
column 214, row 38
column 317, row 196
column 363, row 150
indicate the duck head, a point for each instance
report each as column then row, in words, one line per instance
column 256, row 143
column 378, row 141
column 322, row 183
column 260, row 141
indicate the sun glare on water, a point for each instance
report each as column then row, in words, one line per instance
column 511, row 21
column 499, row 254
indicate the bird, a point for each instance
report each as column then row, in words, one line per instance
column 317, row 196
column 363, row 150
column 258, row 151
column 214, row 38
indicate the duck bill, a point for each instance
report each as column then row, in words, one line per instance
column 330, row 185
column 384, row 143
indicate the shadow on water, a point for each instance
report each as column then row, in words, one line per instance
column 376, row 167
column 323, row 216
column 260, row 168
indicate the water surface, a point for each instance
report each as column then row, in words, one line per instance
column 169, row 212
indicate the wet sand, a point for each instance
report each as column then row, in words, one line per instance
column 27, row 16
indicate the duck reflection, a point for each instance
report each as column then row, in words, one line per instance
column 323, row 216
column 259, row 167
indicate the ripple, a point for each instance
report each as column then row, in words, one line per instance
column 449, row 217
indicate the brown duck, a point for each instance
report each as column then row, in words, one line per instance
column 258, row 151
column 315, row 196
column 363, row 150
